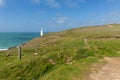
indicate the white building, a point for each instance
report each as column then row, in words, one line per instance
column 41, row 32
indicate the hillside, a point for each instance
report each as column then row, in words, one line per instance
column 66, row 55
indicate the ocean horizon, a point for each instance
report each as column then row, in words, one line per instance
column 11, row 39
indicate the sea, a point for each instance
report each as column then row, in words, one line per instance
column 11, row 39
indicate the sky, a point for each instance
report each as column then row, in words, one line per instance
column 56, row 15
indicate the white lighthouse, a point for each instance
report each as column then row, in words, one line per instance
column 41, row 32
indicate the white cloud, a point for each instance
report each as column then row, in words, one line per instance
column 58, row 21
column 36, row 1
column 62, row 20
column 2, row 2
column 53, row 3
column 109, row 1
column 111, row 17
column 58, row 4
column 73, row 3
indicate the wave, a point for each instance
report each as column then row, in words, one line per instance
column 3, row 49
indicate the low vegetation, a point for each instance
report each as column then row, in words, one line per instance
column 66, row 55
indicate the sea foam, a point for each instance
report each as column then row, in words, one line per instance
column 3, row 49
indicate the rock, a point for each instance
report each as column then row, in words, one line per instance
column 51, row 61
column 12, row 47
column 35, row 54
column 8, row 55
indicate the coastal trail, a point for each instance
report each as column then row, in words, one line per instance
column 110, row 71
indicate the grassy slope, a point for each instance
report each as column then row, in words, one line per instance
column 65, row 55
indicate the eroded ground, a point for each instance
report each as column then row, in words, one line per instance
column 110, row 71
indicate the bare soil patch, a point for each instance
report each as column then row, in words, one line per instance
column 110, row 71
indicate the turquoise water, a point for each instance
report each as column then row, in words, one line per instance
column 11, row 39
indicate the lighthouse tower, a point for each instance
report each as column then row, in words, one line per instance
column 41, row 32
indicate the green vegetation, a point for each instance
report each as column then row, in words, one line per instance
column 66, row 55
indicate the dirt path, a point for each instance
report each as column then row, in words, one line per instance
column 110, row 71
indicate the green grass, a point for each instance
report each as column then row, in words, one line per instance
column 66, row 55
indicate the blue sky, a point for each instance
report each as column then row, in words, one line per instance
column 56, row 15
